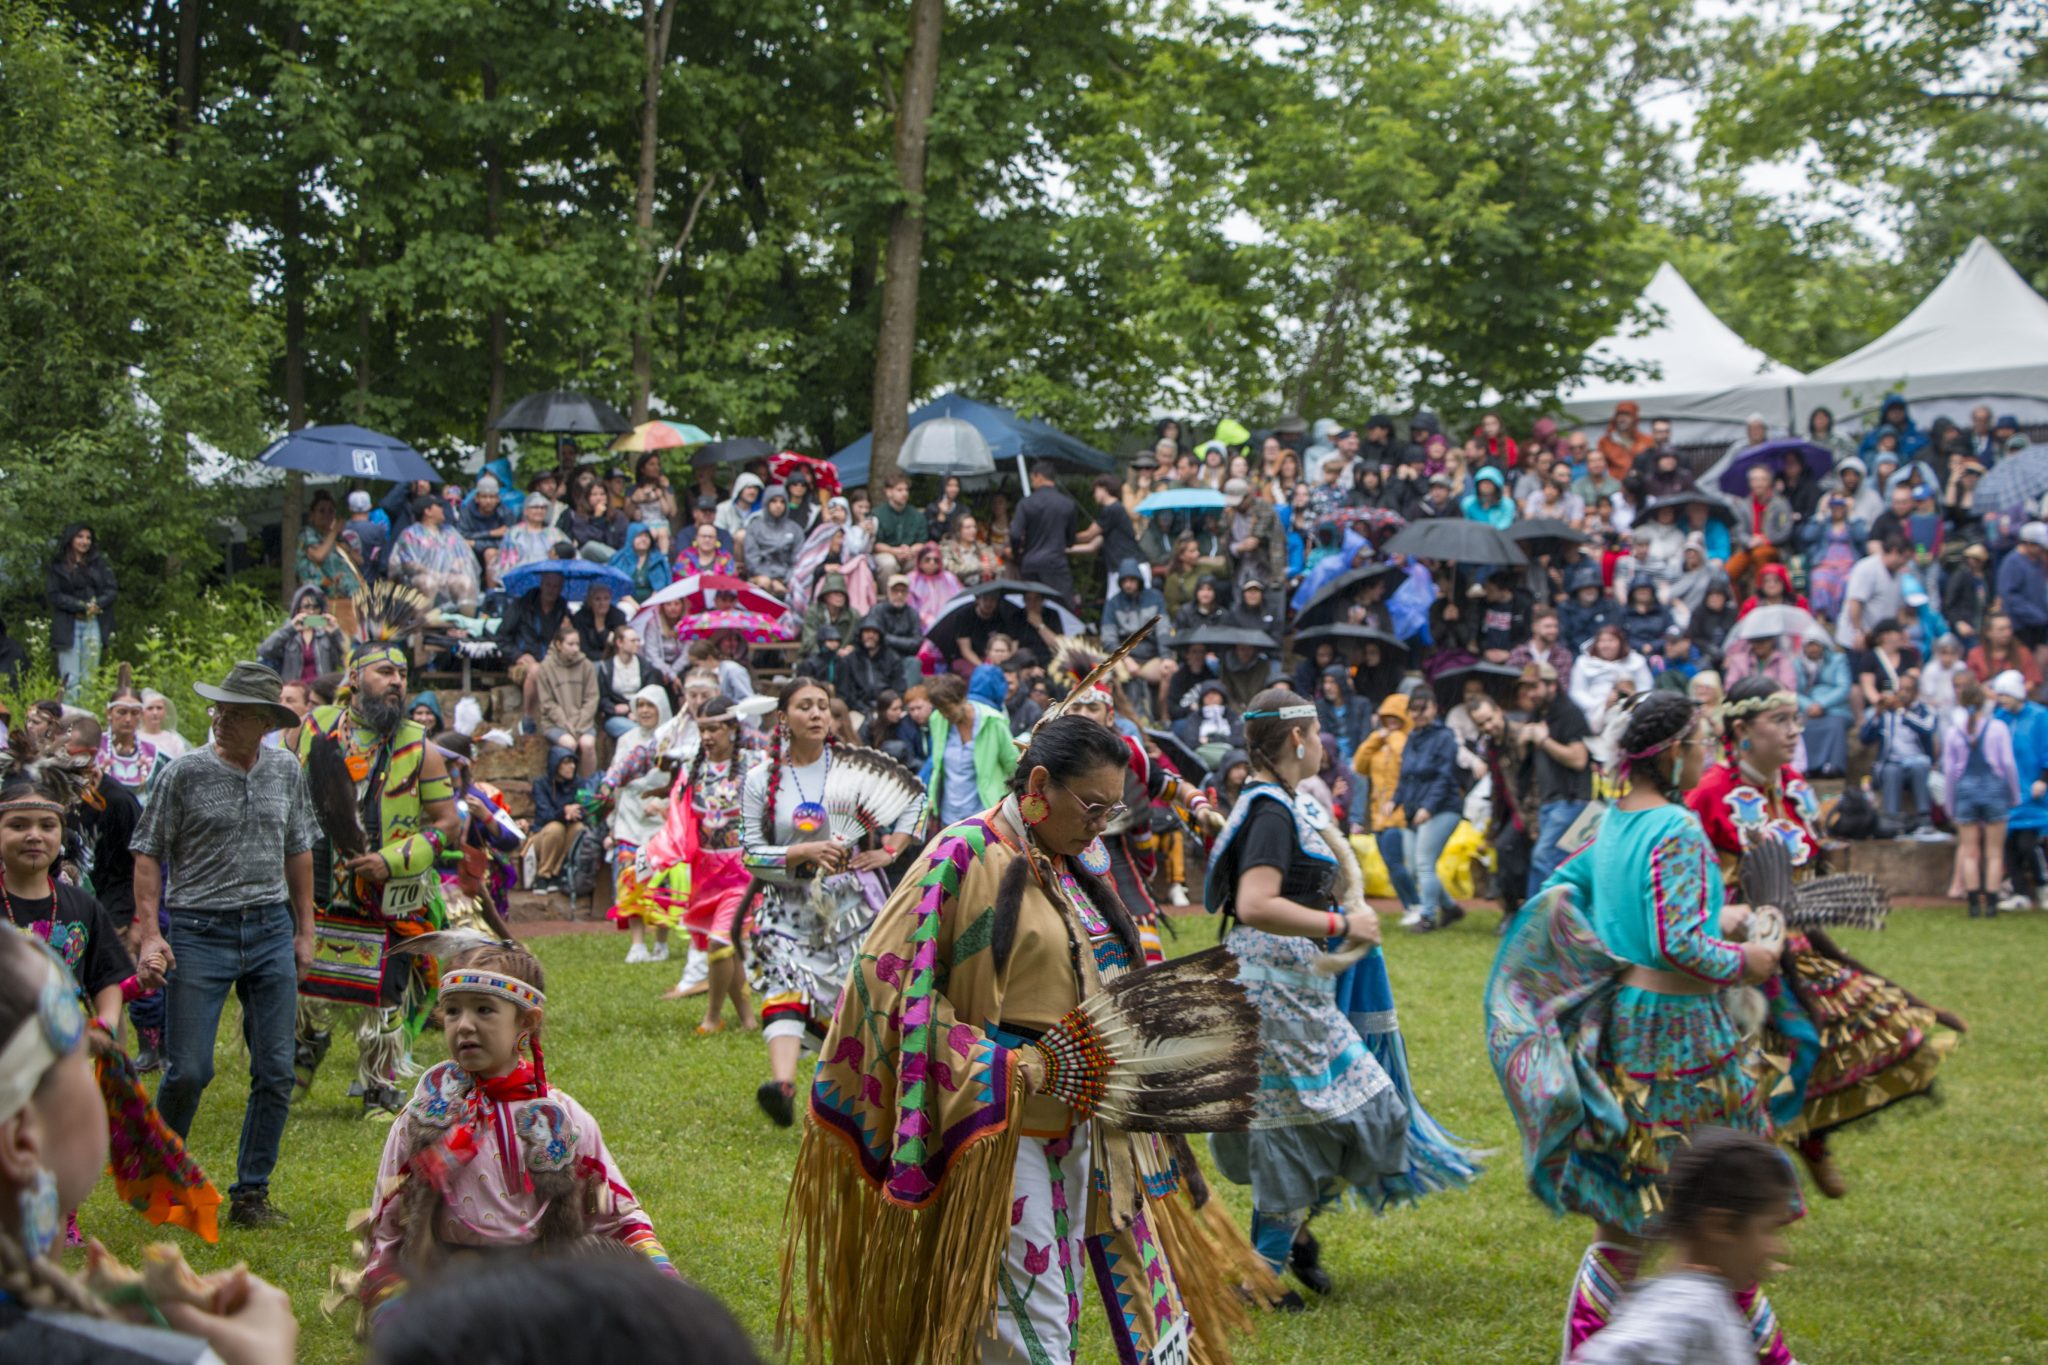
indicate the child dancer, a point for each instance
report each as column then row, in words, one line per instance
column 702, row 836
column 487, row 1156
column 1727, row 1199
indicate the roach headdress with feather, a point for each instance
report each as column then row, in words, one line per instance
column 1089, row 672
column 52, row 782
column 386, row 614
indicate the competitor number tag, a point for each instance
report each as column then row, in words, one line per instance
column 1172, row 1348
column 404, row 896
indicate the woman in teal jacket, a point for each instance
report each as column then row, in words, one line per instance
column 1486, row 503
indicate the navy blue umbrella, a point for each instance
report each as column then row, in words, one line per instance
column 578, row 574
column 348, row 452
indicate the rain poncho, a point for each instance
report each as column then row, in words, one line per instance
column 772, row 544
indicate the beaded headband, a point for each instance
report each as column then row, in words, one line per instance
column 1756, row 706
column 1306, row 711
column 34, row 801
column 43, row 1038
column 377, row 652
column 477, row 981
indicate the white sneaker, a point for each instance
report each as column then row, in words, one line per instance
column 1928, row 834
column 659, row 953
column 1176, row 894
column 2015, row 901
column 1411, row 919
column 637, row 953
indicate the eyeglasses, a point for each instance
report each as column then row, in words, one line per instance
column 1096, row 815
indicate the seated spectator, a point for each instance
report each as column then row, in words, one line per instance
column 824, row 554
column 804, row 508
column 1646, row 621
column 642, row 561
column 1897, row 518
column 307, row 645
column 931, row 585
column 737, row 512
column 595, row 620
column 1773, row 589
column 825, row 656
column 1766, row 526
column 1486, row 503
column 565, row 698
column 1836, row 543
column 1205, row 610
column 704, row 553
column 967, row 556
column 1504, row 617
column 883, row 727
column 1211, row 720
column 901, row 630
column 599, row 529
column 1938, row 675
column 1879, row 668
column 939, row 514
column 2000, row 650
column 1606, row 673
column 1681, row 659
column 1253, row 611
column 1625, row 439
column 432, row 557
column 1247, row 671
column 1770, row 655
column 1965, row 596
column 533, row 539
column 652, row 501
column 621, row 674
column 368, row 536
column 1588, row 609
column 1544, row 644
column 830, row 608
column 1823, row 673
column 1311, row 666
column 872, row 668
column 483, row 523
column 557, row 814
column 1131, row 604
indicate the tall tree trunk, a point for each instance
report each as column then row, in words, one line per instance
column 494, row 194
column 655, row 24
column 903, row 257
column 291, row 248
column 188, row 65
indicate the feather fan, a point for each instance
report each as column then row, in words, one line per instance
column 1172, row 1048
column 333, row 792
column 867, row 792
column 1849, row 900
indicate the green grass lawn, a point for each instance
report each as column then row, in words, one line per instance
column 1936, row 1255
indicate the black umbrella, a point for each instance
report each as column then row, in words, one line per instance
column 564, row 411
column 1225, row 636
column 1457, row 540
column 1715, row 507
column 1009, row 585
column 1546, row 528
column 735, row 450
column 1185, row 759
column 1357, row 634
column 1500, row 680
column 1328, row 604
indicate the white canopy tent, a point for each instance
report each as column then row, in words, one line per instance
column 1981, row 336
column 1700, row 374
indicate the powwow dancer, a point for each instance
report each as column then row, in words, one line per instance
column 972, row 1152
column 487, row 1156
column 386, row 806
column 1331, row 1115
column 1609, row 1021
column 635, row 787
column 701, row 837
column 1128, row 847
column 1857, row 1042
column 814, row 893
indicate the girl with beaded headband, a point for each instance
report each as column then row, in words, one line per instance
column 1609, row 1019
column 1335, row 1110
column 54, row 1142
column 1857, row 1041
column 813, row 896
column 487, row 1155
column 952, row 1192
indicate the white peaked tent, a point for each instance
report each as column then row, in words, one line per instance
column 1980, row 337
column 1702, row 376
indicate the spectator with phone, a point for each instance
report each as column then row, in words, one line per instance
column 309, row 644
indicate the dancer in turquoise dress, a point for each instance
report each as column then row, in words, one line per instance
column 1609, row 1018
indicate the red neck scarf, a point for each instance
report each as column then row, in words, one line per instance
column 521, row 1083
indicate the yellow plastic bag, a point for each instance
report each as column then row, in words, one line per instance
column 1454, row 864
column 1377, row 883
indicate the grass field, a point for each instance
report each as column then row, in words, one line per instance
column 1939, row 1254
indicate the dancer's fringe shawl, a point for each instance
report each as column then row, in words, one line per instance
column 899, row 1211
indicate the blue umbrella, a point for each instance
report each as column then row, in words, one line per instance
column 1183, row 500
column 348, row 452
column 1818, row 460
column 579, row 573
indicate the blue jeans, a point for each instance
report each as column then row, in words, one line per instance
column 1894, row 775
column 1394, row 852
column 1553, row 818
column 250, row 953
column 1424, row 848
column 616, row 726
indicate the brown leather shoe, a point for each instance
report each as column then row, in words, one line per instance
column 1827, row 1177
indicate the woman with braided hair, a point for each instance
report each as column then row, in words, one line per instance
column 1608, row 1021
column 1856, row 1041
column 813, row 895
column 701, row 836
column 53, row 1146
column 1331, row 1115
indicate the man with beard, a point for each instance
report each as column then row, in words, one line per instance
column 399, row 787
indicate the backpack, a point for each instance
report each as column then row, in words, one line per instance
column 584, row 862
column 1854, row 816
